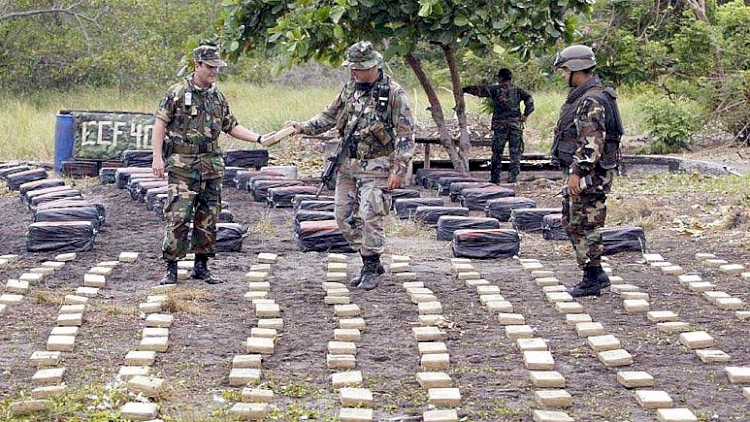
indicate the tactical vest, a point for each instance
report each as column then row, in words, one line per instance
column 566, row 134
column 198, row 116
column 369, row 134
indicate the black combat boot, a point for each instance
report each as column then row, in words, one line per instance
column 602, row 278
column 511, row 177
column 201, row 271
column 369, row 278
column 589, row 285
column 356, row 280
column 171, row 277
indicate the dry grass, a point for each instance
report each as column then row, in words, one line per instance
column 264, row 227
column 186, row 300
column 49, row 298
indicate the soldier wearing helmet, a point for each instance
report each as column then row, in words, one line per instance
column 587, row 145
column 507, row 120
column 188, row 123
column 374, row 122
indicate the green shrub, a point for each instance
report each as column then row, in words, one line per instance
column 670, row 123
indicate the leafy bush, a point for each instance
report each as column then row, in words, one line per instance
column 671, row 123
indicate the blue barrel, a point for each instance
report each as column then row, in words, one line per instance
column 64, row 139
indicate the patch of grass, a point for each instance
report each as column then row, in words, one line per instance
column 114, row 309
column 48, row 298
column 265, row 227
column 185, row 300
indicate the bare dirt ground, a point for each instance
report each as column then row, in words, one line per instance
column 212, row 322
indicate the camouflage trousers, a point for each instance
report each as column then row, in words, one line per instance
column 514, row 138
column 191, row 201
column 360, row 209
column 582, row 217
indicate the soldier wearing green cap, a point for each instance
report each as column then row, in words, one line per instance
column 189, row 120
column 374, row 122
column 587, row 145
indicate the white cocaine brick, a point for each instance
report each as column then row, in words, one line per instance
column 712, row 356
column 434, row 361
column 244, row 376
column 569, row 307
column 617, row 357
column 10, row 299
column 662, row 316
column 554, row 297
column 536, row 343
column 249, row 411
column 652, row 257
column 440, row 415
column 25, row 407
column 247, row 361
column 64, row 331
column 346, row 379
column 346, row 311
column 150, row 307
column 341, row 361
column 679, row 414
column 507, row 318
column 488, row 290
column 45, row 358
column 256, row 276
column 17, row 286
column 72, row 309
column 127, row 256
column 257, row 395
column 75, row 300
column 538, row 360
column 342, row 348
column 653, row 399
column 732, row 268
column 738, row 374
column 551, row 416
column 140, row 358
column 515, row 332
column 412, row 284
column 358, row 323
column 336, row 257
column 48, row 376
column 603, row 343
column 61, row 343
column 148, row 386
column 250, row 296
column 356, row 397
column 712, row 296
column 431, row 347
column 547, row 379
column 730, row 304
column 159, row 320
column 404, row 276
column 87, row 291
column 430, row 308
column 185, row 265
column 337, row 300
column 259, row 286
column 427, row 334
column 267, row 310
column 575, row 319
column 701, row 286
column 336, row 276
column 69, row 319
column 542, row 274
column 469, row 275
column 715, row 262
column 636, row 305
column 444, row 397
column 704, row 256
column 155, row 344
column 587, row 329
column 355, row 414
column 128, row 372
column 473, row 283
column 673, row 326
column 400, row 258
column 689, row 278
column 137, row 411
column 635, row 379
column 532, row 266
column 108, row 264
column 553, row 398
column 31, row 277
column 103, row 271
column 428, row 380
column 462, row 267
column 267, row 258
column 155, row 332
column 65, row 257
column 263, row 332
column 547, row 281
column 264, row 346
column 48, row 391
column 696, row 340
column 344, row 334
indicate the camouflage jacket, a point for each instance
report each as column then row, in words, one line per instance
column 195, row 116
column 506, row 100
column 381, row 146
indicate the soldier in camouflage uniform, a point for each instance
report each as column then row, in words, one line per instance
column 374, row 122
column 507, row 120
column 189, row 120
column 587, row 139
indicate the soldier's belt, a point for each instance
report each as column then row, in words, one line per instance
column 182, row 148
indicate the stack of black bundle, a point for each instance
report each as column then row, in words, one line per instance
column 552, row 228
column 444, row 183
column 60, row 236
column 448, row 224
column 486, row 244
column 622, row 239
column 282, row 197
column 530, row 219
column 476, row 198
column 321, row 236
column 137, row 158
column 229, row 237
column 405, row 207
column 429, row 215
column 457, row 187
column 501, row 208
column 246, row 158
column 15, row 180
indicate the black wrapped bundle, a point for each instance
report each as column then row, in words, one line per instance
column 405, row 207
column 229, row 175
column 226, row 216
column 84, row 213
column 60, row 236
column 444, row 183
column 7, row 171
column 282, row 197
column 144, row 187
column 135, row 185
column 476, row 198
column 122, row 175
column 402, row 194
column 322, row 205
column 306, row 215
column 150, row 198
column 229, row 237
column 530, row 219
column 321, row 236
column 29, row 195
column 429, row 215
column 39, row 184
column 552, row 228
column 427, row 177
column 108, row 175
column 15, row 180
column 260, row 187
column 242, row 177
column 160, row 201
column 486, row 244
column 246, row 158
column 75, row 203
column 622, row 239
column 261, row 176
column 298, row 199
column 137, row 158
column 502, row 207
column 54, row 196
column 447, row 224
column 457, row 187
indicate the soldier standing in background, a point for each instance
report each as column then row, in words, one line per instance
column 374, row 122
column 192, row 115
column 507, row 121
column 587, row 144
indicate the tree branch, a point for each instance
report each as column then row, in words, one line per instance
column 70, row 10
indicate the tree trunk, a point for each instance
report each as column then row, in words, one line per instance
column 699, row 10
column 464, row 144
column 437, row 113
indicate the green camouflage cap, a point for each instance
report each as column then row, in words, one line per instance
column 362, row 56
column 208, row 54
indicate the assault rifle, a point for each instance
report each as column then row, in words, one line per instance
column 332, row 164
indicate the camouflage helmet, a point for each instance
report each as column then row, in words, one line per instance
column 576, row 57
column 362, row 56
column 208, row 54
